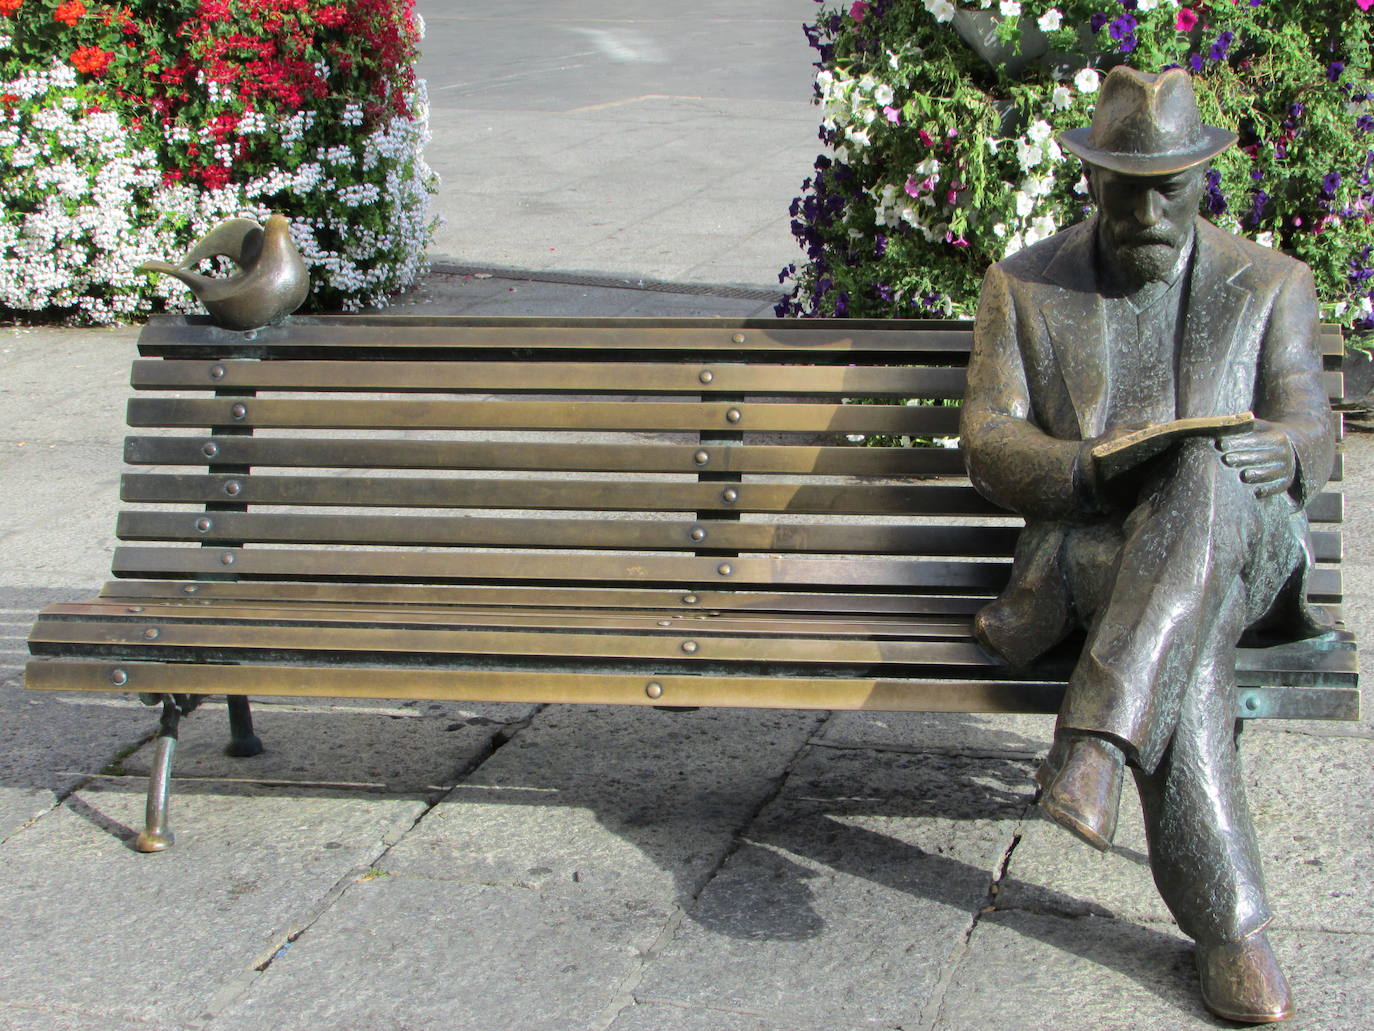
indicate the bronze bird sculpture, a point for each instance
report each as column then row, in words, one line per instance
column 271, row 283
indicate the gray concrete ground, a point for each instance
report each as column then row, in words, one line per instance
column 422, row 866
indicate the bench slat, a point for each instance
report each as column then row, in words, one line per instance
column 316, row 453
column 431, row 566
column 641, row 416
column 653, row 535
column 134, row 593
column 599, row 687
column 533, row 377
column 562, row 495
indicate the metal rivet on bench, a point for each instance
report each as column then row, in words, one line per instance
column 227, row 559
column 152, row 633
column 665, row 622
column 134, row 608
column 119, row 678
column 706, row 376
column 738, row 338
column 733, row 415
column 725, row 569
column 204, row 525
column 653, row 689
column 729, row 495
column 233, row 487
column 1251, row 703
column 251, row 334
column 690, row 599
column 190, row 589
column 210, row 450
column 697, row 534
column 217, row 372
column 689, row 646
column 239, row 411
column 701, row 457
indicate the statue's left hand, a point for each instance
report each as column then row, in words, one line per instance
column 1264, row 457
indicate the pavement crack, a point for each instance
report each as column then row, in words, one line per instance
column 624, row 997
column 932, row 1011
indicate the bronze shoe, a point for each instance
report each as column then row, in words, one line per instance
column 1241, row 981
column 1082, row 793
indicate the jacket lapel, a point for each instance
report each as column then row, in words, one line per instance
column 1074, row 322
column 1215, row 314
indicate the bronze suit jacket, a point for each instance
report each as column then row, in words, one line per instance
column 1040, row 374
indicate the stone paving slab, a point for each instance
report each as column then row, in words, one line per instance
column 410, row 953
column 1317, row 852
column 633, row 802
column 102, row 930
column 850, row 892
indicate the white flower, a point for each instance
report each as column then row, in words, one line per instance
column 1014, row 244
column 1265, row 239
column 941, row 10
column 1340, row 308
column 859, row 137
column 1146, row 5
column 1040, row 131
column 1081, row 187
column 1087, row 80
column 1050, row 20
column 1024, row 203
column 1010, row 8
column 882, row 94
column 999, row 230
column 1028, row 154
column 1061, row 98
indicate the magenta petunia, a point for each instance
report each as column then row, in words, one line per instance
column 894, row 115
column 858, row 9
column 1364, row 5
column 1187, row 19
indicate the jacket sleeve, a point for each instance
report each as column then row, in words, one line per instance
column 1290, row 391
column 1011, row 461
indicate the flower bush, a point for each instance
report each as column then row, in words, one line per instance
column 941, row 122
column 127, row 133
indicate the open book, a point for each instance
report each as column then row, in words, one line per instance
column 1126, row 452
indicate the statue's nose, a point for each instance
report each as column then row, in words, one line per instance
column 1149, row 208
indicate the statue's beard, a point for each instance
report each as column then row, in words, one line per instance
column 1142, row 262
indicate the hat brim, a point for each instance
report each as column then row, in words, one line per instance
column 1214, row 141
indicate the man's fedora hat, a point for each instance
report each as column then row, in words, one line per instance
column 1147, row 124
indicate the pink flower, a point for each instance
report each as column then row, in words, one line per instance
column 925, row 137
column 951, row 197
column 1364, row 5
column 913, row 186
column 895, row 116
column 858, row 9
column 1187, row 19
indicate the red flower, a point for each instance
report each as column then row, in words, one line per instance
column 69, row 12
column 333, row 16
column 91, row 60
column 10, row 6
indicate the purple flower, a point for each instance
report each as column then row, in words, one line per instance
column 1331, row 183
column 1222, row 44
column 1365, row 123
column 841, row 304
column 879, row 246
column 1195, row 62
column 1256, row 174
column 1122, row 27
column 1097, row 21
column 883, row 291
column 1212, row 195
column 1258, row 203
column 1130, row 5
column 1334, row 69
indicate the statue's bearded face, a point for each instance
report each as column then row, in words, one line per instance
column 1145, row 220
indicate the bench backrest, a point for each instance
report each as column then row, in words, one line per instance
column 701, row 461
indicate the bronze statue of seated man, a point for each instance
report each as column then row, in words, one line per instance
column 1170, row 552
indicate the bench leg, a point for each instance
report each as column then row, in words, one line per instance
column 242, row 741
column 156, row 835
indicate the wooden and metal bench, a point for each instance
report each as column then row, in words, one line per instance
column 649, row 512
